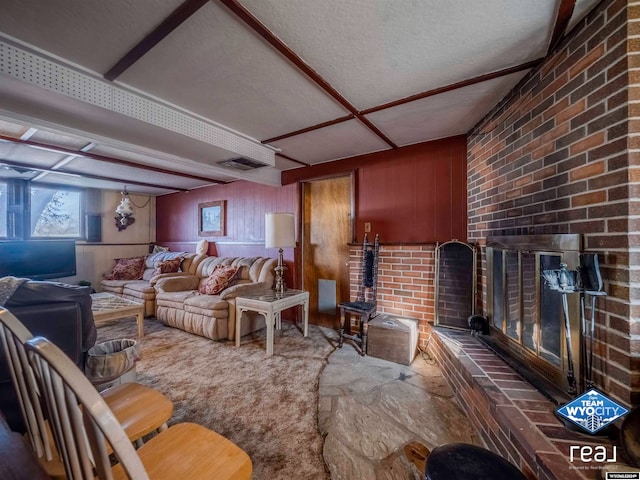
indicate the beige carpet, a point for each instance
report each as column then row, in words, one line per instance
column 266, row 405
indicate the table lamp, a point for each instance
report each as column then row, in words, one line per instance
column 279, row 233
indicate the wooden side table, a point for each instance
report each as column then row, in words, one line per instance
column 106, row 306
column 271, row 306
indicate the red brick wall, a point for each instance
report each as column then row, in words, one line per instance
column 405, row 281
column 556, row 156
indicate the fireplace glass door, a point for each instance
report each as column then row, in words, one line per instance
column 551, row 316
column 526, row 316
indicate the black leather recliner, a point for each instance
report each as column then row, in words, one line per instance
column 57, row 311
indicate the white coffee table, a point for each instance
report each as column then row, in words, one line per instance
column 107, row 306
column 271, row 306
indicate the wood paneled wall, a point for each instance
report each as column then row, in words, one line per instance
column 414, row 194
column 246, row 204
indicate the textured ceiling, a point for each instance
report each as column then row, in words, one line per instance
column 154, row 93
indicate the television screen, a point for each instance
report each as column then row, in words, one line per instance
column 38, row 259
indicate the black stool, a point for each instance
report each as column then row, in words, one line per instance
column 462, row 461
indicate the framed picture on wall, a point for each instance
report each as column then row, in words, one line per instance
column 212, row 218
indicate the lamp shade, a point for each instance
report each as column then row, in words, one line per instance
column 279, row 230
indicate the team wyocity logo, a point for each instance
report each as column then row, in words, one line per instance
column 592, row 411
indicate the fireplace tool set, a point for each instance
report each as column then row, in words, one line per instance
column 586, row 281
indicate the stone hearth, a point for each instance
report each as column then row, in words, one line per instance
column 369, row 409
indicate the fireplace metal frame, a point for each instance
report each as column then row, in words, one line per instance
column 547, row 377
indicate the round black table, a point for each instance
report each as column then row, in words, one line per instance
column 462, row 461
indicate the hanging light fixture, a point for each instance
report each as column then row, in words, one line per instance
column 124, row 211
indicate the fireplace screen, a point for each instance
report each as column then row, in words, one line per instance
column 455, row 284
column 527, row 319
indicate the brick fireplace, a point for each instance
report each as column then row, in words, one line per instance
column 558, row 155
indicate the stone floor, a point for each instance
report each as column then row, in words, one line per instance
column 369, row 409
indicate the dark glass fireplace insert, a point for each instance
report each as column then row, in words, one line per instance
column 526, row 318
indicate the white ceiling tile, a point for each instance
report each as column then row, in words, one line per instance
column 451, row 113
column 12, row 129
column 94, row 34
column 341, row 140
column 234, row 78
column 80, row 182
column 125, row 173
column 214, row 74
column 24, row 154
column 377, row 51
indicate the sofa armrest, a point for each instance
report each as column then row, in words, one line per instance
column 241, row 289
column 178, row 284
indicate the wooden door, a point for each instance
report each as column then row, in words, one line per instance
column 327, row 231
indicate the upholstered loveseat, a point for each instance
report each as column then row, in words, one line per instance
column 142, row 290
column 181, row 305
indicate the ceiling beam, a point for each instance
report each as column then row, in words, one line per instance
column 455, row 86
column 286, row 157
column 104, row 158
column 173, row 21
column 565, row 12
column 83, row 174
column 250, row 20
column 412, row 98
column 309, row 129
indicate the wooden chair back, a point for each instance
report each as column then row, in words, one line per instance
column 83, row 425
column 13, row 335
column 368, row 287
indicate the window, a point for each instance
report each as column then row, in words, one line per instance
column 55, row 212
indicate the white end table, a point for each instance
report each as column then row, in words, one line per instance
column 271, row 305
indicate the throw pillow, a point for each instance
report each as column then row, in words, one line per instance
column 168, row 266
column 158, row 249
column 202, row 247
column 219, row 279
column 127, row 269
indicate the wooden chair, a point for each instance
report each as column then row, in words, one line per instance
column 84, row 428
column 366, row 302
column 139, row 409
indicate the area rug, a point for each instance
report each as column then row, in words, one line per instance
column 266, row 405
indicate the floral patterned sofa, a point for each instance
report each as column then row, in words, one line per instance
column 204, row 303
column 135, row 278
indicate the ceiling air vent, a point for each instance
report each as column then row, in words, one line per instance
column 241, row 163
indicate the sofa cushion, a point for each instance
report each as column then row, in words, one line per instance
column 139, row 286
column 127, row 269
column 207, row 305
column 168, row 266
column 219, row 279
column 174, row 299
column 114, row 286
column 153, row 260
